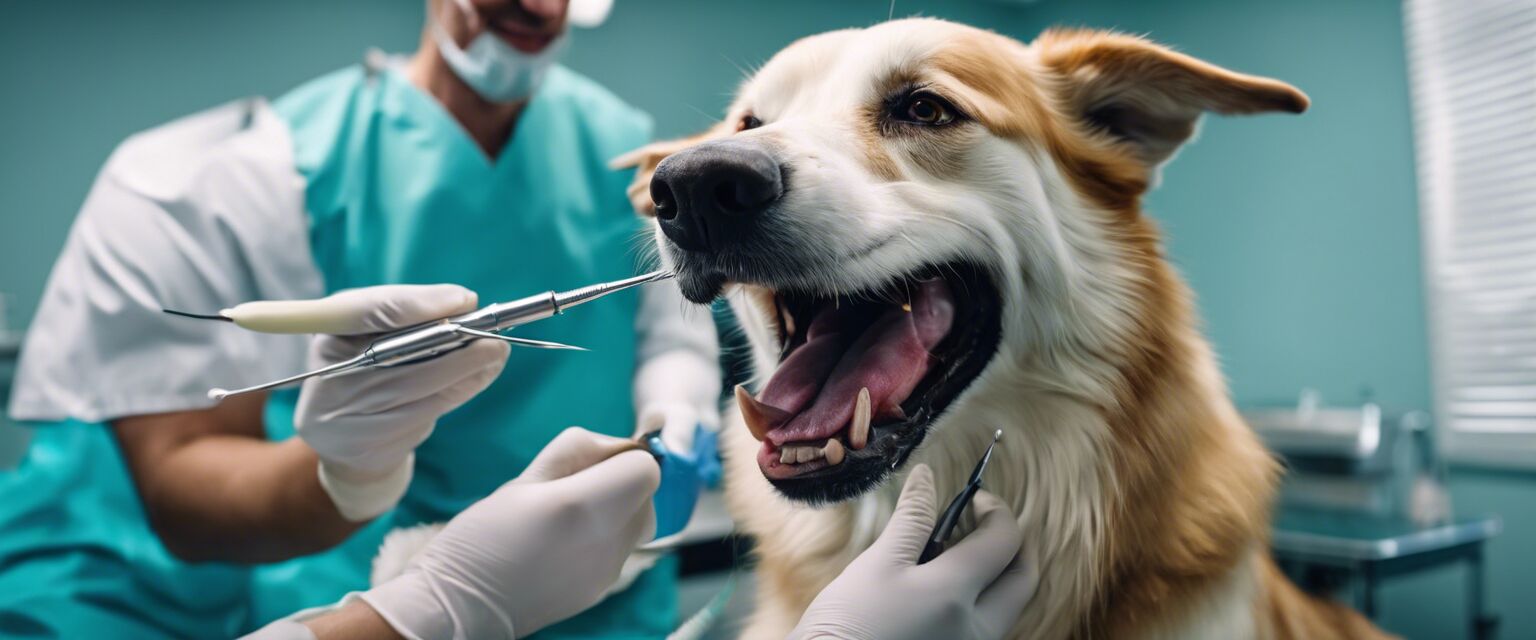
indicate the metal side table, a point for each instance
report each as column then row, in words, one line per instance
column 1322, row 550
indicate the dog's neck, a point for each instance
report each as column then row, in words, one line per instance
column 1139, row 484
column 1190, row 484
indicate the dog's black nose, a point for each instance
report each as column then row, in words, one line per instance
column 708, row 196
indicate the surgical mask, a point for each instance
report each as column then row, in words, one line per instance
column 496, row 70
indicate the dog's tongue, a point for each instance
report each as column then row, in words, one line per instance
column 812, row 394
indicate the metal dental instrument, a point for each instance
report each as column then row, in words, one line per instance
column 445, row 335
column 951, row 515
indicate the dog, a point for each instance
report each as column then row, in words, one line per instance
column 929, row 230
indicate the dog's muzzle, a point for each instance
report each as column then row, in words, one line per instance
column 710, row 197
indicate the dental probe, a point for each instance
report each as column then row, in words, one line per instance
column 951, row 515
column 445, row 335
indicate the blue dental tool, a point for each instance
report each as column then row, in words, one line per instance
column 681, row 480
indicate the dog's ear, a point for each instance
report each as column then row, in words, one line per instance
column 647, row 157
column 1147, row 95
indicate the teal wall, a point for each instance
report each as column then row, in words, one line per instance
column 1300, row 234
column 78, row 77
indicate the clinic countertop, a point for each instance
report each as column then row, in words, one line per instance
column 1364, row 538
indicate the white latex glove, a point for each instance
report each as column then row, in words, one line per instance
column 540, row 549
column 677, row 374
column 366, row 425
column 677, row 422
column 975, row 589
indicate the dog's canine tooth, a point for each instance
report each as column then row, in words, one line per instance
column 760, row 418
column 834, row 452
column 858, row 432
column 787, row 455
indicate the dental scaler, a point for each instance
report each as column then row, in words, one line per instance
column 951, row 516
column 431, row 339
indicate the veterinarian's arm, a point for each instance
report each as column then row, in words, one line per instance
column 677, row 369
column 975, row 590
column 353, row 621
column 215, row 489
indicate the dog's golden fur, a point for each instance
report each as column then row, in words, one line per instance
column 1161, row 530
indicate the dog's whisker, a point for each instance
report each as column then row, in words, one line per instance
column 746, row 72
column 707, row 116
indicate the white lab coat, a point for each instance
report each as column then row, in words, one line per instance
column 206, row 212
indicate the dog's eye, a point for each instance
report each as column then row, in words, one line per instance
column 924, row 108
column 748, row 121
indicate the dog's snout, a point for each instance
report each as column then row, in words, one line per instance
column 708, row 197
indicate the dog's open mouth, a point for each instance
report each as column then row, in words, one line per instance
column 861, row 377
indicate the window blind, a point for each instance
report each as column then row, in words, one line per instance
column 1472, row 67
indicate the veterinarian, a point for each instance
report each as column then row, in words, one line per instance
column 584, row 502
column 144, row 510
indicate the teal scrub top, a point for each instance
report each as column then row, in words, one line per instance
column 396, row 192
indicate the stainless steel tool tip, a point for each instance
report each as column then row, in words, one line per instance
column 218, row 393
column 567, row 299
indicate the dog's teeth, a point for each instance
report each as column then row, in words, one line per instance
column 807, row 454
column 787, row 455
column 907, row 307
column 858, row 432
column 834, row 452
column 760, row 418
column 788, row 320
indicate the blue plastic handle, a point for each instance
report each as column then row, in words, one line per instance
column 683, row 476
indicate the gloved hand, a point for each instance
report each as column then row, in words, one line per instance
column 678, row 422
column 975, row 589
column 365, row 426
column 540, row 549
